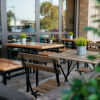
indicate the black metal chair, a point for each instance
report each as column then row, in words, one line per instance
column 49, row 84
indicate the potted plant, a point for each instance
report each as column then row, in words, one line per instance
column 52, row 39
column 81, row 44
column 71, row 35
column 23, row 37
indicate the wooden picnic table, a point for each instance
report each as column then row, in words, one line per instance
column 71, row 40
column 36, row 46
column 71, row 56
column 66, row 40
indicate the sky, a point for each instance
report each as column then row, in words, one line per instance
column 25, row 9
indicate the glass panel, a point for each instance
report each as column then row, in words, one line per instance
column 21, row 15
column 16, row 38
column 0, row 45
column 0, row 16
column 68, row 15
column 44, row 38
column 31, row 38
column 13, row 38
column 49, row 15
column 54, row 38
column 64, row 35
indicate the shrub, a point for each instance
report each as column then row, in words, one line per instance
column 81, row 42
column 22, row 35
column 71, row 33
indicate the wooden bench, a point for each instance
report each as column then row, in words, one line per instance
column 8, row 66
column 46, row 53
column 64, row 50
column 83, row 69
column 47, row 86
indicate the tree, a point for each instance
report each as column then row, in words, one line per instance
column 49, row 14
column 10, row 16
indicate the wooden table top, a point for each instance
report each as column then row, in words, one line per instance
column 34, row 45
column 71, row 40
column 72, row 55
column 7, row 64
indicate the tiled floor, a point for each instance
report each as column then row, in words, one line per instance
column 19, row 83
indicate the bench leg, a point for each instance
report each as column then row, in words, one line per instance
column 36, row 77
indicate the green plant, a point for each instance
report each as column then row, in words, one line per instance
column 83, row 90
column 22, row 35
column 81, row 42
column 52, row 38
column 71, row 33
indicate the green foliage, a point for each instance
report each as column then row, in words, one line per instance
column 49, row 13
column 10, row 16
column 22, row 35
column 83, row 90
column 92, row 57
column 52, row 37
column 71, row 33
column 81, row 42
column 97, row 69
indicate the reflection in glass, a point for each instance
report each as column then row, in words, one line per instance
column 21, row 15
column 0, row 16
column 49, row 15
column 16, row 38
column 44, row 38
column 68, row 15
column 0, row 45
column 54, row 38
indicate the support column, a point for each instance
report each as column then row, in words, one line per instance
column 83, row 21
column 4, row 27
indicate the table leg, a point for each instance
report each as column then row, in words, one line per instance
column 36, row 77
column 27, row 80
column 72, row 45
column 4, row 78
column 68, row 70
column 57, row 50
column 10, row 49
column 36, row 71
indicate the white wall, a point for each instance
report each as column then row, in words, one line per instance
column 91, row 12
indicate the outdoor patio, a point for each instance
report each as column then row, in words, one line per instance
column 49, row 50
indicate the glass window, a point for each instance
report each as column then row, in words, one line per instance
column 68, row 15
column 16, row 38
column 49, row 15
column 0, row 45
column 0, row 16
column 54, row 38
column 21, row 15
column 44, row 38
